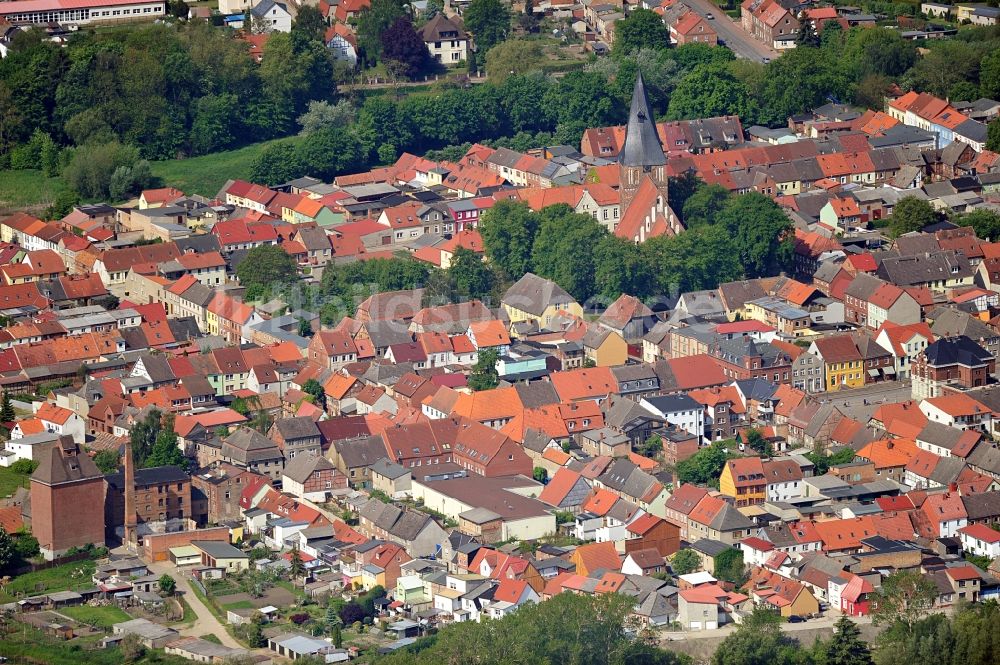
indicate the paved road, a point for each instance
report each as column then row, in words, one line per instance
column 738, row 40
column 206, row 623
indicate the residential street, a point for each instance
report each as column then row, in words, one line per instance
column 737, row 39
column 206, row 624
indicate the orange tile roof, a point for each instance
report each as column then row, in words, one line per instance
column 600, row 502
column 584, row 383
column 596, row 556
column 958, row 404
column 889, row 453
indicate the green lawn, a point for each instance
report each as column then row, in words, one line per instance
column 69, row 576
column 211, row 637
column 100, row 617
column 26, row 189
column 238, row 605
column 189, row 615
column 24, row 644
column 10, row 481
column 207, row 174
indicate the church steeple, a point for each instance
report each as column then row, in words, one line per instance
column 642, row 142
column 642, row 154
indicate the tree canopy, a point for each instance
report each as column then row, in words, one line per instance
column 911, row 214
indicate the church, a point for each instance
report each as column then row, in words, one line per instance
column 643, row 181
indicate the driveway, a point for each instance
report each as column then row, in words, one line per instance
column 206, row 623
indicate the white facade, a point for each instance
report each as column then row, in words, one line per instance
column 106, row 11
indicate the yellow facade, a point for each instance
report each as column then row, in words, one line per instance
column 517, row 315
column 845, row 375
column 612, row 351
column 744, row 496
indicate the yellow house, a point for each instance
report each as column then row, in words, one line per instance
column 743, row 479
column 372, row 576
column 538, row 300
column 844, row 366
column 790, row 597
column 605, row 347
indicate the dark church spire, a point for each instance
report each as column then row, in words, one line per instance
column 642, row 142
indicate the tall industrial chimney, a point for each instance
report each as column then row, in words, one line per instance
column 130, row 511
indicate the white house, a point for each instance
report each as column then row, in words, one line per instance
column 27, row 447
column 60, row 421
column 980, row 540
column 680, row 410
column 445, row 40
column 274, row 15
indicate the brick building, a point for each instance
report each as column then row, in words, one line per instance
column 215, row 492
column 161, row 493
column 954, row 362
column 67, row 499
column 745, row 358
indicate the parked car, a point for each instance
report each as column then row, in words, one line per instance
column 795, row 619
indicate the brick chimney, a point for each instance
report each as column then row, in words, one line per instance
column 130, row 512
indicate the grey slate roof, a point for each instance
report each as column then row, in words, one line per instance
column 642, row 145
column 532, row 294
column 300, row 467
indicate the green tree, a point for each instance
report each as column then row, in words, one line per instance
column 762, row 232
column 989, row 75
column 756, row 442
column 403, row 50
column 488, row 21
column 993, row 135
column 484, row 374
column 215, row 126
column 564, row 249
column 323, row 114
column 309, row 24
column 167, row 584
column 807, row 35
column 512, row 58
column 372, row 21
column 845, row 647
column 910, row 214
column 508, row 230
column 903, row 598
column 799, row 80
column 984, row 221
column 651, row 447
column 24, row 467
column 314, row 388
column 255, row 632
column 642, row 28
column 704, row 204
column 166, row 451
column 107, row 461
column 540, row 474
column 91, row 169
column 472, row 277
column 7, row 413
column 705, row 466
column 265, row 266
column 8, row 553
column 685, row 561
column 710, row 90
column 681, row 188
column 297, row 567
column 335, row 636
column 758, row 643
column 144, row 435
column 305, row 328
column 729, row 566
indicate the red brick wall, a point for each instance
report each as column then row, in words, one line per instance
column 68, row 515
column 155, row 547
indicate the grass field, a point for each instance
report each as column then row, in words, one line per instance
column 100, row 617
column 69, row 576
column 238, row 605
column 10, row 481
column 26, row 189
column 25, row 645
column 207, row 174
